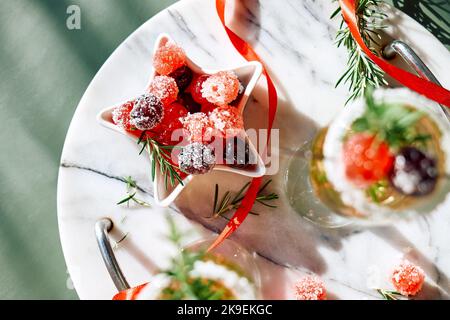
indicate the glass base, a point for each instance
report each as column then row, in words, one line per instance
column 301, row 195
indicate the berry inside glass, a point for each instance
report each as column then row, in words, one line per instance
column 383, row 158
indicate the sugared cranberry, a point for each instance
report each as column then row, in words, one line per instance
column 414, row 173
column 147, row 112
column 196, row 158
column 171, row 122
column 168, row 58
column 189, row 103
column 198, row 127
column 121, row 115
column 221, row 88
column 310, row 288
column 208, row 107
column 165, row 88
column 408, row 278
column 196, row 88
column 227, row 121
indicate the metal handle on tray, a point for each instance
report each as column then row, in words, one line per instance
column 102, row 227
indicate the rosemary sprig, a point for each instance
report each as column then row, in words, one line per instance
column 131, row 193
column 159, row 154
column 361, row 71
column 389, row 294
column 230, row 202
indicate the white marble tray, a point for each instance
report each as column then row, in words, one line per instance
column 296, row 41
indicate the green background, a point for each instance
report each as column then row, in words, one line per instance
column 45, row 68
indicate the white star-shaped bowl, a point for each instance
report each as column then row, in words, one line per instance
column 248, row 74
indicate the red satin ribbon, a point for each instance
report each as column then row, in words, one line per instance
column 250, row 55
column 424, row 87
column 130, row 294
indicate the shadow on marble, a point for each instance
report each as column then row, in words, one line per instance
column 133, row 250
column 247, row 14
column 429, row 292
column 274, row 282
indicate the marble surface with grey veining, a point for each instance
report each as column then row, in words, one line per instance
column 296, row 41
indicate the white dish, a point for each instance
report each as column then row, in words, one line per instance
column 248, row 73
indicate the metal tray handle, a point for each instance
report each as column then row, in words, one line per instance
column 102, row 227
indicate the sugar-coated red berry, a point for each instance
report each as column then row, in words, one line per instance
column 164, row 132
column 168, row 58
column 121, row 115
column 165, row 88
column 196, row 158
column 227, row 121
column 310, row 288
column 198, row 127
column 147, row 113
column 221, row 88
column 208, row 107
column 408, row 278
column 367, row 160
column 196, row 88
column 186, row 99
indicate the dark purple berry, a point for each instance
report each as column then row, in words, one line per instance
column 147, row 112
column 188, row 102
column 183, row 77
column 236, row 153
column 196, row 158
column 413, row 172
